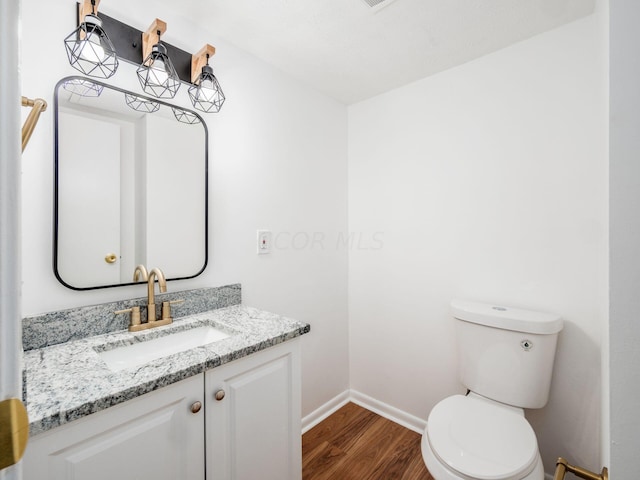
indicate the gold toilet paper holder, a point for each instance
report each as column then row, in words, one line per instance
column 562, row 467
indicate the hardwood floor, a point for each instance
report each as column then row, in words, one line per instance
column 356, row 444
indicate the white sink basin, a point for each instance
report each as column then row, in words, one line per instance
column 144, row 352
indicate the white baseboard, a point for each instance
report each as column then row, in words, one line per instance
column 319, row 414
column 390, row 413
column 387, row 411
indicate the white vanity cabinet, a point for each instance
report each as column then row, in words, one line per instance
column 154, row 436
column 253, row 432
column 253, row 417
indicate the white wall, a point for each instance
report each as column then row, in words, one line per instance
column 277, row 161
column 624, row 328
column 486, row 182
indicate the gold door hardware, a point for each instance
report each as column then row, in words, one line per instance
column 219, row 395
column 14, row 431
column 38, row 106
column 111, row 258
column 195, row 407
column 562, row 467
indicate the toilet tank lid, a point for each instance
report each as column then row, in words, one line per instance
column 506, row 318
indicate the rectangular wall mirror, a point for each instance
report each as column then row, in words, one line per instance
column 130, row 186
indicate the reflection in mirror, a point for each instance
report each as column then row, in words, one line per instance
column 130, row 187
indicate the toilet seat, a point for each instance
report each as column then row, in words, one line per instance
column 482, row 439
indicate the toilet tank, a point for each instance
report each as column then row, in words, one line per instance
column 506, row 354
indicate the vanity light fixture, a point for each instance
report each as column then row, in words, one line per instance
column 206, row 94
column 88, row 47
column 141, row 104
column 164, row 67
column 156, row 73
column 84, row 88
column 185, row 116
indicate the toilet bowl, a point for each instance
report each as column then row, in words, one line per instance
column 505, row 360
column 474, row 438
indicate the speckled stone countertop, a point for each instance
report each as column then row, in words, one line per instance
column 68, row 381
column 81, row 322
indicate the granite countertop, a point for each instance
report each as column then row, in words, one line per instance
column 67, row 381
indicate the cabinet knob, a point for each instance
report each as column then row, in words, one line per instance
column 195, row 407
column 219, row 395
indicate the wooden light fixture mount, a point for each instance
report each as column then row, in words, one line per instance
column 152, row 36
column 199, row 60
column 87, row 7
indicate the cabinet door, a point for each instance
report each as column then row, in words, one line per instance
column 153, row 437
column 254, row 432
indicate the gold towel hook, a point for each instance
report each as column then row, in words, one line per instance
column 38, row 106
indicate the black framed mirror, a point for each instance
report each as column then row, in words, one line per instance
column 130, row 186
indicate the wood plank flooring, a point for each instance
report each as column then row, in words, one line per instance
column 356, row 444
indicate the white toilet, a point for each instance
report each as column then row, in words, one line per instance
column 505, row 360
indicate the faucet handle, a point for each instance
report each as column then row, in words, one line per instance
column 135, row 315
column 166, row 308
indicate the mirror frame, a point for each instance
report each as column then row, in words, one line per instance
column 56, row 192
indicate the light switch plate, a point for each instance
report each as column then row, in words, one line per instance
column 264, row 242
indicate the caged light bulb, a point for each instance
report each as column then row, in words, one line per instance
column 92, row 49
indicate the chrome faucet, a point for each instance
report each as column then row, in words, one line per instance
column 151, row 300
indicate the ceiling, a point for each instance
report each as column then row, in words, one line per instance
column 351, row 51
